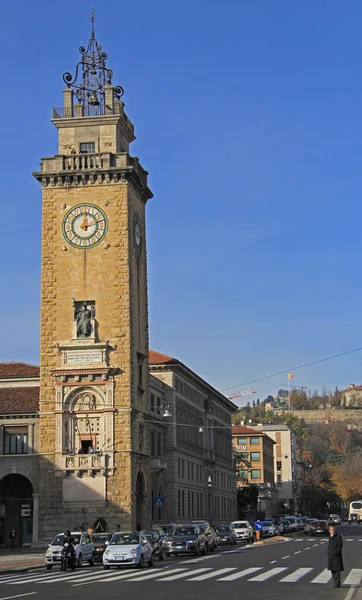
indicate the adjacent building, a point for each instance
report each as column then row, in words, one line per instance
column 255, row 465
column 352, row 396
column 285, row 469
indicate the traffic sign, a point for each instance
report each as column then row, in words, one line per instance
column 158, row 501
column 258, row 526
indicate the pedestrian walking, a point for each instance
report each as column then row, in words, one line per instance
column 12, row 536
column 335, row 560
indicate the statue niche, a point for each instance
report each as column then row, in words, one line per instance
column 86, row 402
column 84, row 320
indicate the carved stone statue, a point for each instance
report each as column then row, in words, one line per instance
column 86, row 402
column 83, row 317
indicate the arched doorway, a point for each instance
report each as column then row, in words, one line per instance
column 16, row 509
column 140, row 496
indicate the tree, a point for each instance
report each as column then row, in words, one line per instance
column 347, row 478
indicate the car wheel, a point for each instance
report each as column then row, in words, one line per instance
column 212, row 548
column 197, row 551
column 151, row 562
column 106, row 567
column 91, row 561
column 162, row 555
column 48, row 567
column 79, row 561
column 141, row 562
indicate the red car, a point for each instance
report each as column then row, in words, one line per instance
column 320, row 527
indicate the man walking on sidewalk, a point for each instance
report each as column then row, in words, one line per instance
column 12, row 536
column 335, row 560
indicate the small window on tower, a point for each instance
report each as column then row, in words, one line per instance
column 87, row 148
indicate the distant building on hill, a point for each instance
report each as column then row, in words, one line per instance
column 352, row 396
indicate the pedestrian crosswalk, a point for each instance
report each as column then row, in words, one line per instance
column 181, row 573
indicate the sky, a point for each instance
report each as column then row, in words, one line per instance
column 248, row 117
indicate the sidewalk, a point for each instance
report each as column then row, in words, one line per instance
column 21, row 559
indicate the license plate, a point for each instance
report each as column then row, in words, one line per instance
column 179, row 547
column 319, row 530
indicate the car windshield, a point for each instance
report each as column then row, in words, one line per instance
column 59, row 539
column 100, row 538
column 286, row 522
column 322, row 523
column 184, row 531
column 267, row 523
column 240, row 524
column 125, row 539
column 168, row 529
column 223, row 529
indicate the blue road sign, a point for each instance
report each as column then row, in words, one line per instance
column 258, row 526
column 158, row 501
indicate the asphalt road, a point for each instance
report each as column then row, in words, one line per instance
column 295, row 569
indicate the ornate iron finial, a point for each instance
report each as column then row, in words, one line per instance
column 94, row 74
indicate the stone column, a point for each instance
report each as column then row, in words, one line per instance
column 35, row 517
column 1, row 439
column 109, row 98
column 31, row 438
column 68, row 102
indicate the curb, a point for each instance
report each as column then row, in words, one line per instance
column 19, row 570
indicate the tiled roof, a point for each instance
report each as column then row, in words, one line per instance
column 243, row 429
column 156, row 358
column 18, row 369
column 19, row 400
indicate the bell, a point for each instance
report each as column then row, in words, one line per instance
column 93, row 99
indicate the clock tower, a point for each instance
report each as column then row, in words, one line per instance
column 93, row 468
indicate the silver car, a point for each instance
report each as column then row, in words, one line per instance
column 269, row 529
column 244, row 531
column 128, row 548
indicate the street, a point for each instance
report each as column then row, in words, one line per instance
column 296, row 568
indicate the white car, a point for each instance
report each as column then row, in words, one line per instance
column 84, row 549
column 128, row 548
column 269, row 529
column 244, row 531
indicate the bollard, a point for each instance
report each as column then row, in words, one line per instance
column 258, row 536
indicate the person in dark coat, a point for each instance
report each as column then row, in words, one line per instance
column 335, row 560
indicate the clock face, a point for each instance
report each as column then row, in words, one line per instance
column 137, row 233
column 84, row 226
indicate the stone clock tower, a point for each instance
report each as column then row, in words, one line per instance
column 93, row 469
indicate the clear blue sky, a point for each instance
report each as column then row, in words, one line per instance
column 248, row 117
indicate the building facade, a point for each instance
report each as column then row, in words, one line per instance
column 285, row 468
column 352, row 396
column 255, row 465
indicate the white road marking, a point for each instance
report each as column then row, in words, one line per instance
column 310, row 540
column 298, row 574
column 314, row 545
column 240, row 574
column 349, row 540
column 150, row 575
column 299, row 540
column 354, row 577
column 297, row 552
column 307, row 548
column 44, row 578
column 180, row 575
column 323, row 577
column 213, row 574
column 198, row 560
column 103, row 578
column 350, row 593
column 268, row 574
column 284, row 557
column 272, row 562
column 18, row 596
column 360, row 540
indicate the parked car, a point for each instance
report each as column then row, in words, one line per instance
column 269, row 529
column 225, row 535
column 244, row 531
column 293, row 523
column 128, row 548
column 84, row 549
column 157, row 542
column 308, row 524
column 300, row 523
column 319, row 527
column 210, row 534
column 287, row 526
column 99, row 542
column 188, row 539
column 335, row 519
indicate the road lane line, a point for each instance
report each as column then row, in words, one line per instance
column 18, row 596
column 240, row 574
column 323, row 577
column 268, row 574
column 284, row 557
column 349, row 540
column 298, row 574
column 308, row 548
column 297, row 552
column 314, row 545
column 272, row 562
column 213, row 574
column 310, row 540
column 354, row 577
column 180, row 575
